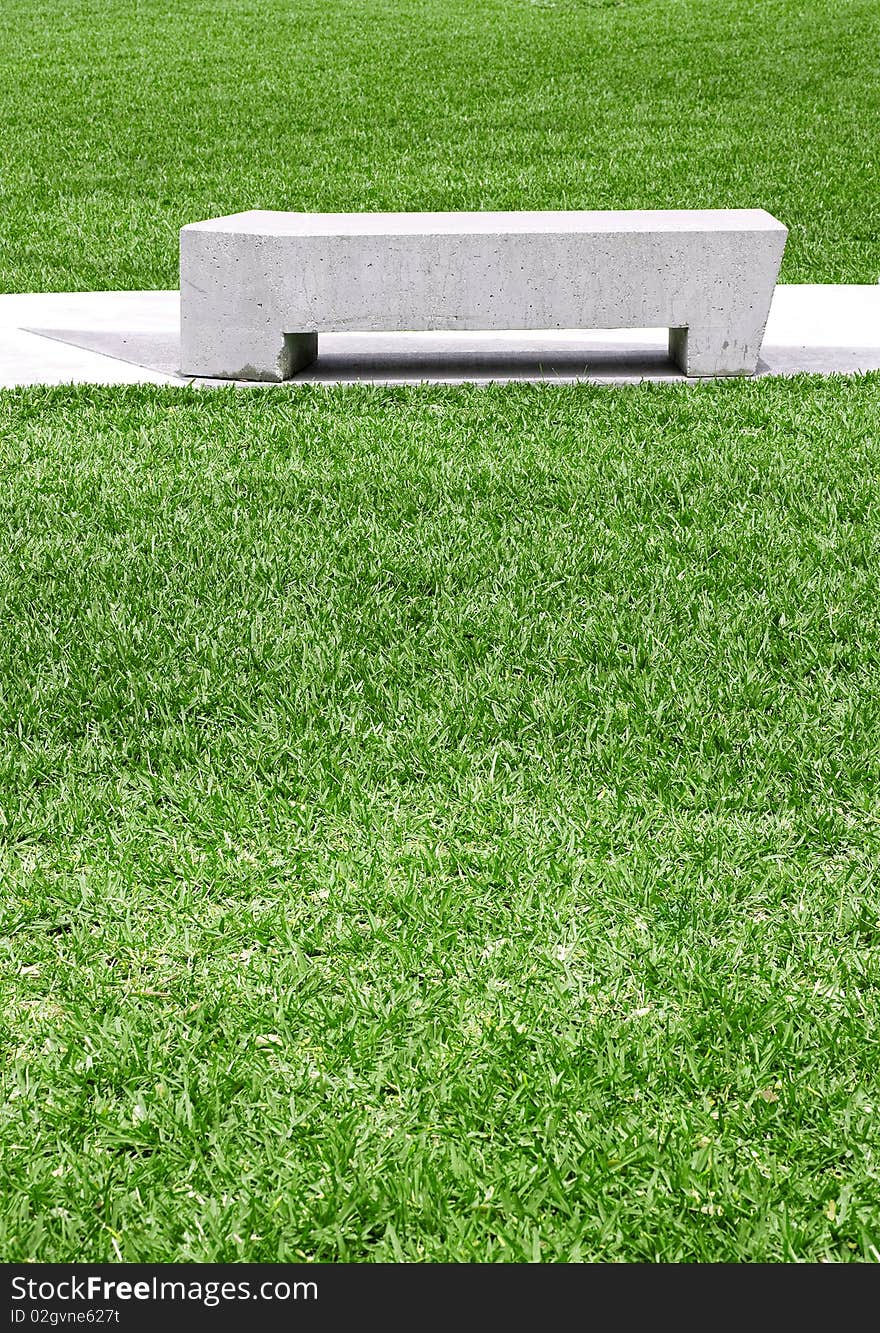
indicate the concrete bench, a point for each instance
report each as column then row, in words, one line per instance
column 258, row 288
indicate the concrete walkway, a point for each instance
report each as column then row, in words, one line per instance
column 132, row 338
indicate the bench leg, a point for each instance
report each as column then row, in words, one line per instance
column 300, row 350
column 729, row 351
column 242, row 354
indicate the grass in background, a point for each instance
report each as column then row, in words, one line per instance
column 441, row 824
column 121, row 121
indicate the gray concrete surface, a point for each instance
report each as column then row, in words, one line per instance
column 259, row 288
column 133, row 337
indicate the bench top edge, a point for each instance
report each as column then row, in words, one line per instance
column 260, row 222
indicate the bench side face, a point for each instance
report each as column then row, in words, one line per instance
column 243, row 291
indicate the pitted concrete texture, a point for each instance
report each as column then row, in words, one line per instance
column 133, row 337
column 259, row 288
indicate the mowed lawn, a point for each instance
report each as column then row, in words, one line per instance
column 121, row 122
column 437, row 823
column 441, row 823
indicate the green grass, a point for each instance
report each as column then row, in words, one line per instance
column 438, row 824
column 123, row 121
column 441, row 823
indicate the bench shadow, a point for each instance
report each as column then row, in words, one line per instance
column 153, row 351
column 467, row 366
column 408, row 358
column 351, row 359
